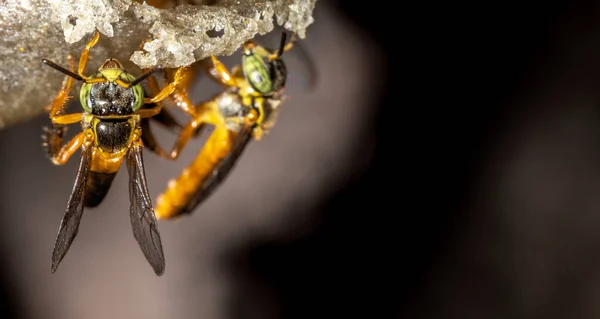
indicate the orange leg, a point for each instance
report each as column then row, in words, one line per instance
column 208, row 114
column 179, row 94
column 286, row 48
column 168, row 89
column 276, row 55
column 221, row 74
column 189, row 75
column 180, row 78
column 182, row 140
column 146, row 113
column 67, row 119
column 85, row 53
column 63, row 95
column 68, row 149
column 153, row 85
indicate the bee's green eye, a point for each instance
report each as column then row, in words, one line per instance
column 256, row 71
column 84, row 95
column 138, row 91
column 86, row 92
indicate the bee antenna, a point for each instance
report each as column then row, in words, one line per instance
column 63, row 70
column 145, row 75
column 282, row 43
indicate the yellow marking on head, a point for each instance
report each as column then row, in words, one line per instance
column 111, row 74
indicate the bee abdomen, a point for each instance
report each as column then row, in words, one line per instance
column 180, row 191
column 97, row 187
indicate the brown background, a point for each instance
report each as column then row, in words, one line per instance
column 474, row 195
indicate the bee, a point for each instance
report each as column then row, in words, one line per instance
column 113, row 103
column 246, row 110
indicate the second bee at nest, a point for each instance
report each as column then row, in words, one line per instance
column 246, row 110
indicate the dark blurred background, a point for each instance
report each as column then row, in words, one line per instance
column 446, row 166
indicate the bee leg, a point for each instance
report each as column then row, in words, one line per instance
column 179, row 94
column 220, row 73
column 147, row 113
column 186, row 134
column 67, row 119
column 188, row 76
column 276, row 55
column 168, row 120
column 149, row 141
column 52, row 139
column 62, row 97
column 152, row 84
column 61, row 156
column 289, row 46
column 168, row 89
column 85, row 53
column 208, row 113
column 284, row 47
column 162, row 117
column 205, row 116
column 182, row 100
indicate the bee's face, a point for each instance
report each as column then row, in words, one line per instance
column 111, row 96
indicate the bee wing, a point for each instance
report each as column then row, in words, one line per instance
column 221, row 170
column 70, row 222
column 143, row 220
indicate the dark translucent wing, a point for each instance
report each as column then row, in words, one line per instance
column 221, row 171
column 70, row 222
column 143, row 220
